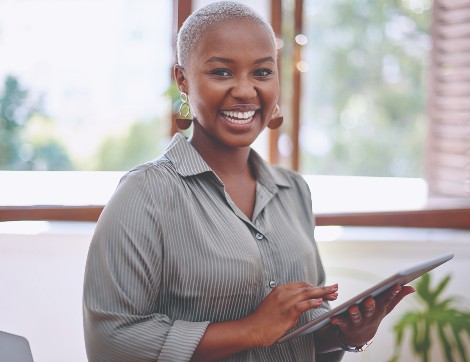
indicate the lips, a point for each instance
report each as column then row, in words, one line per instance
column 238, row 117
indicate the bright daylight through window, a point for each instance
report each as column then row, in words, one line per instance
column 82, row 83
column 364, row 87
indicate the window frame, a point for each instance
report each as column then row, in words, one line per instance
column 440, row 213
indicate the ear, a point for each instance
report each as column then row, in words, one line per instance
column 180, row 78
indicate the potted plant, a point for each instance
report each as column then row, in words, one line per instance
column 437, row 318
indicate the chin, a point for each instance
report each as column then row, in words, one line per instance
column 239, row 142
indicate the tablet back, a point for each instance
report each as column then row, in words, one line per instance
column 402, row 277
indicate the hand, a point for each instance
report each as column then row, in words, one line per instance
column 360, row 323
column 282, row 307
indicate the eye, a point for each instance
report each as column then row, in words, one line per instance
column 221, row 72
column 261, row 73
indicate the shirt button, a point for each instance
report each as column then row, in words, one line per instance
column 272, row 284
column 259, row 236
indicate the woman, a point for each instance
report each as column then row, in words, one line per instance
column 208, row 253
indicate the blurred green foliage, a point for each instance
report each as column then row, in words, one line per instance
column 365, row 92
column 142, row 142
column 437, row 318
column 18, row 151
column 363, row 99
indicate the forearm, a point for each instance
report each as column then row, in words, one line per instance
column 224, row 339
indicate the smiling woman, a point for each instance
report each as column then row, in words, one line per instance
column 208, row 252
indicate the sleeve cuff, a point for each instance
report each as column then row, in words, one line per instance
column 182, row 340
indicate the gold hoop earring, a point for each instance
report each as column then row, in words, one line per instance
column 184, row 111
column 276, row 122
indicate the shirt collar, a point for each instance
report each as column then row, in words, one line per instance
column 267, row 175
column 185, row 158
column 188, row 162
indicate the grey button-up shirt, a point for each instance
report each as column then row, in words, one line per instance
column 172, row 253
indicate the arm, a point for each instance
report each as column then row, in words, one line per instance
column 122, row 285
column 277, row 314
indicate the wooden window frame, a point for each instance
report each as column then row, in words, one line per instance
column 447, row 213
column 455, row 218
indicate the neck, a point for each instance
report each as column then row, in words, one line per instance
column 225, row 161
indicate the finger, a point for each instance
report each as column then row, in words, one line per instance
column 330, row 297
column 355, row 315
column 296, row 285
column 306, row 305
column 368, row 307
column 404, row 291
column 317, row 292
column 342, row 323
column 388, row 296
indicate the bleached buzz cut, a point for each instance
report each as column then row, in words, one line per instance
column 205, row 18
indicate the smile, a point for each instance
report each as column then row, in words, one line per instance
column 238, row 117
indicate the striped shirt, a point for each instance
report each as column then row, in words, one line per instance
column 172, row 253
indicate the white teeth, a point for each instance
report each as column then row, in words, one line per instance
column 239, row 117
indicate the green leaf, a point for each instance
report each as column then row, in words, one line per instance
column 459, row 343
column 423, row 289
column 441, row 286
column 446, row 346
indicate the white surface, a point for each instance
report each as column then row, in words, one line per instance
column 42, row 265
column 359, row 257
column 329, row 193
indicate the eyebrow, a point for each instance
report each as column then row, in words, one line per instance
column 226, row 60
column 263, row 60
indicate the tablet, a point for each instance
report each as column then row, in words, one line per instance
column 402, row 277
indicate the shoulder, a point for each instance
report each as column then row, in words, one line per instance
column 146, row 186
column 154, row 175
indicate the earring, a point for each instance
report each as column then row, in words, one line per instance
column 276, row 122
column 184, row 111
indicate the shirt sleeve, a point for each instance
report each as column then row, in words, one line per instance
column 122, row 284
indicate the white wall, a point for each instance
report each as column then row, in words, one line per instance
column 42, row 264
column 41, row 277
column 356, row 258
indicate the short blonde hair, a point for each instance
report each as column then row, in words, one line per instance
column 205, row 18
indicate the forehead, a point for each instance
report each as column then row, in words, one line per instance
column 237, row 36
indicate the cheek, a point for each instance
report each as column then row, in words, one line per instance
column 271, row 93
column 271, row 98
column 206, row 99
column 202, row 107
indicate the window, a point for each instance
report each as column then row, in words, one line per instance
column 364, row 66
column 378, row 51
column 82, row 83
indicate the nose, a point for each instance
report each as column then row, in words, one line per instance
column 244, row 89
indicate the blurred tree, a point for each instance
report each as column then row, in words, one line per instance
column 13, row 115
column 364, row 103
column 141, row 143
column 17, row 150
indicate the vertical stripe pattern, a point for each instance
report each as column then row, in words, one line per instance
column 172, row 253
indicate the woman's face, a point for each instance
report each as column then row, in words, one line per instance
column 232, row 82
